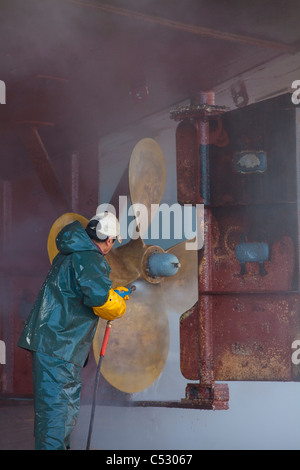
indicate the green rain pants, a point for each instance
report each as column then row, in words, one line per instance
column 57, row 387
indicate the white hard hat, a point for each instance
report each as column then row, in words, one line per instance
column 108, row 226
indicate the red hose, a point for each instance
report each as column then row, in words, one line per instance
column 105, row 339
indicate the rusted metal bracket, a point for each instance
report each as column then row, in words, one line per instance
column 192, row 143
column 209, row 397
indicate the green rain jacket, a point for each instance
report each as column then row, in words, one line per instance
column 62, row 322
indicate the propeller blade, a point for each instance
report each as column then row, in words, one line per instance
column 181, row 290
column 139, row 341
column 125, row 262
column 147, row 179
column 57, row 226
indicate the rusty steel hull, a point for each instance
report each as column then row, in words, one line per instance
column 252, row 337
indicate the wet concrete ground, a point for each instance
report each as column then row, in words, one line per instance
column 16, row 426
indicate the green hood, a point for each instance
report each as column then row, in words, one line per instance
column 73, row 238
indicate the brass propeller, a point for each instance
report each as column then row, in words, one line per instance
column 139, row 341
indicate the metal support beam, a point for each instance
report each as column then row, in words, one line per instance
column 187, row 28
column 44, row 169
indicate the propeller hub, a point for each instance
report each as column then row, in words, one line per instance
column 157, row 264
column 163, row 265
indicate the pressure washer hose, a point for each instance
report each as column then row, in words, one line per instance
column 102, row 354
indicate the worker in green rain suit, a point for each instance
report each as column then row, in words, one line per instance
column 61, row 326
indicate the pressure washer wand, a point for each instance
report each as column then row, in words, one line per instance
column 102, row 354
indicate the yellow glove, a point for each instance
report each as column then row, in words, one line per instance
column 114, row 307
column 122, row 292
